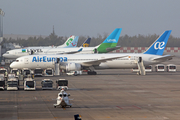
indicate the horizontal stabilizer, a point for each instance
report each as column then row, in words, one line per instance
column 111, row 49
column 71, row 52
column 163, row 58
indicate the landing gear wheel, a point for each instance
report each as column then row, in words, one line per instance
column 70, row 106
column 91, row 73
column 54, row 106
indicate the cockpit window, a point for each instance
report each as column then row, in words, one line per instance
column 17, row 60
column 7, row 52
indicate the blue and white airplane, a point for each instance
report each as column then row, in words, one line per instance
column 77, row 62
column 15, row 53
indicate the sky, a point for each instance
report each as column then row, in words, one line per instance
column 90, row 17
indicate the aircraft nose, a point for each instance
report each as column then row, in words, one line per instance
column 4, row 55
column 12, row 65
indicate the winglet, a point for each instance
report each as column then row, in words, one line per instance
column 157, row 48
column 80, row 49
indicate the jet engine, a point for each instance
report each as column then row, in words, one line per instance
column 73, row 67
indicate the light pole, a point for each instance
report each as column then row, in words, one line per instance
column 1, row 25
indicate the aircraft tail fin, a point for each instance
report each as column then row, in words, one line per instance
column 110, row 42
column 70, row 42
column 74, row 42
column 157, row 48
column 86, row 43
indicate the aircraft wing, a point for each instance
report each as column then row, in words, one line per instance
column 111, row 49
column 98, row 61
column 71, row 52
column 165, row 57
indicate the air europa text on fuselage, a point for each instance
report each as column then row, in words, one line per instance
column 48, row 59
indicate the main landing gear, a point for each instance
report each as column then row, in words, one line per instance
column 91, row 73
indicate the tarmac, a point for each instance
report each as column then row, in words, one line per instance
column 113, row 94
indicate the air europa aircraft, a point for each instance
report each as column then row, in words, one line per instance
column 76, row 62
column 15, row 53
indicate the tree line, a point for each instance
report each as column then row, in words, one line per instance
column 124, row 41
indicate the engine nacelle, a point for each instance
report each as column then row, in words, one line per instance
column 73, row 67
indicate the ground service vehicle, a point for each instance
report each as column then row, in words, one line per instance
column 47, row 84
column 148, row 68
column 3, row 71
column 29, row 84
column 75, row 73
column 2, row 82
column 48, row 72
column 61, row 83
column 159, row 68
column 16, row 72
column 12, row 83
column 135, row 69
column 38, row 72
column 171, row 68
column 26, row 71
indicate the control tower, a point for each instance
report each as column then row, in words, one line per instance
column 1, row 25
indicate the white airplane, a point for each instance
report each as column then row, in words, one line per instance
column 62, row 99
column 15, row 53
column 77, row 62
column 109, row 44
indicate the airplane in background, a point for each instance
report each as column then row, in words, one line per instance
column 109, row 44
column 15, row 53
column 86, row 43
column 90, row 62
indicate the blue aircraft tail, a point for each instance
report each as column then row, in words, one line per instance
column 86, row 43
column 157, row 48
column 110, row 42
column 114, row 36
column 74, row 42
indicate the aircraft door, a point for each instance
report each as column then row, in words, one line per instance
column 26, row 61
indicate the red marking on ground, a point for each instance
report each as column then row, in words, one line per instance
column 119, row 107
column 136, row 107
